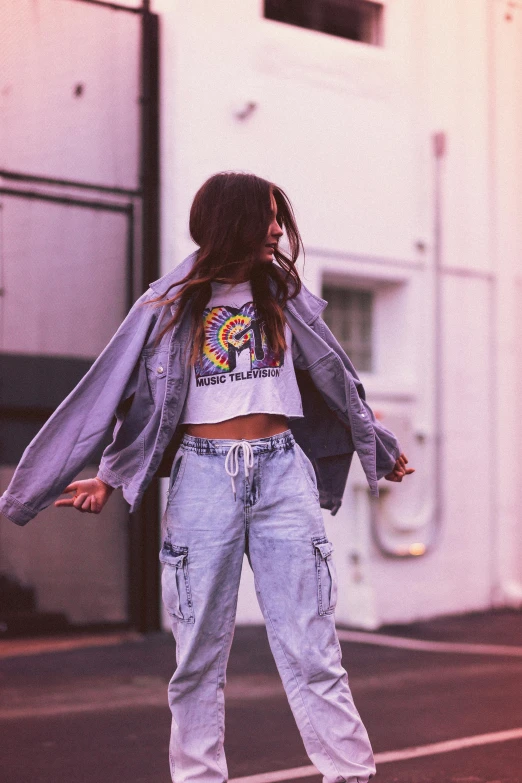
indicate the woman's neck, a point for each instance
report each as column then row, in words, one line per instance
column 240, row 277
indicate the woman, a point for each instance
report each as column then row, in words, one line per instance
column 225, row 363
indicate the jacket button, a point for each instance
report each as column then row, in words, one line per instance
column 160, row 369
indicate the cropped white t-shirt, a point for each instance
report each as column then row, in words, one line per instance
column 237, row 372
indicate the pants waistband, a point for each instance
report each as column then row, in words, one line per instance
column 221, row 446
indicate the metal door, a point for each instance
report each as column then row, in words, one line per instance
column 78, row 213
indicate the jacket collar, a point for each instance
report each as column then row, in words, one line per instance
column 162, row 284
column 305, row 305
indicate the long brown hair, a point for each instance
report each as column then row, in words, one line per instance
column 229, row 220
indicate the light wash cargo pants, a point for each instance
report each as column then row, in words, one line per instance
column 277, row 521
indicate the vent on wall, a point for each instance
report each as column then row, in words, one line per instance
column 357, row 20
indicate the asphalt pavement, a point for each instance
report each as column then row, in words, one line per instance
column 442, row 702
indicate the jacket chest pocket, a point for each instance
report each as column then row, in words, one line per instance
column 326, row 575
column 175, row 582
column 156, row 370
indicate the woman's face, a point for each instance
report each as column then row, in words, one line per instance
column 273, row 235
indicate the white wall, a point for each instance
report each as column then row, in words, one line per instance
column 506, row 261
column 346, row 129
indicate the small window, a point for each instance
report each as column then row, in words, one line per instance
column 349, row 316
column 357, row 20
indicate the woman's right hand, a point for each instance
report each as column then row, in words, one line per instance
column 400, row 470
column 90, row 495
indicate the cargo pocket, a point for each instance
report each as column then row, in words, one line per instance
column 326, row 575
column 175, row 582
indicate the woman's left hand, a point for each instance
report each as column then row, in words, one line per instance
column 400, row 470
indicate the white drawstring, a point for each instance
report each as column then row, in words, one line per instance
column 232, row 461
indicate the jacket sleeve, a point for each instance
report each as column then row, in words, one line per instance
column 387, row 447
column 77, row 428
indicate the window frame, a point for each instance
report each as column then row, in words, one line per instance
column 361, row 353
column 396, row 301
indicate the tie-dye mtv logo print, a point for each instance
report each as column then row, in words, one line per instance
column 228, row 332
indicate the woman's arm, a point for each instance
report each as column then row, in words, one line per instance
column 75, row 431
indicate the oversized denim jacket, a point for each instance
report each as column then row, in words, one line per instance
column 143, row 385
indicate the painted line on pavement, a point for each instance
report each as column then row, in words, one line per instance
column 14, row 648
column 382, row 640
column 388, row 756
column 95, row 705
column 448, row 746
